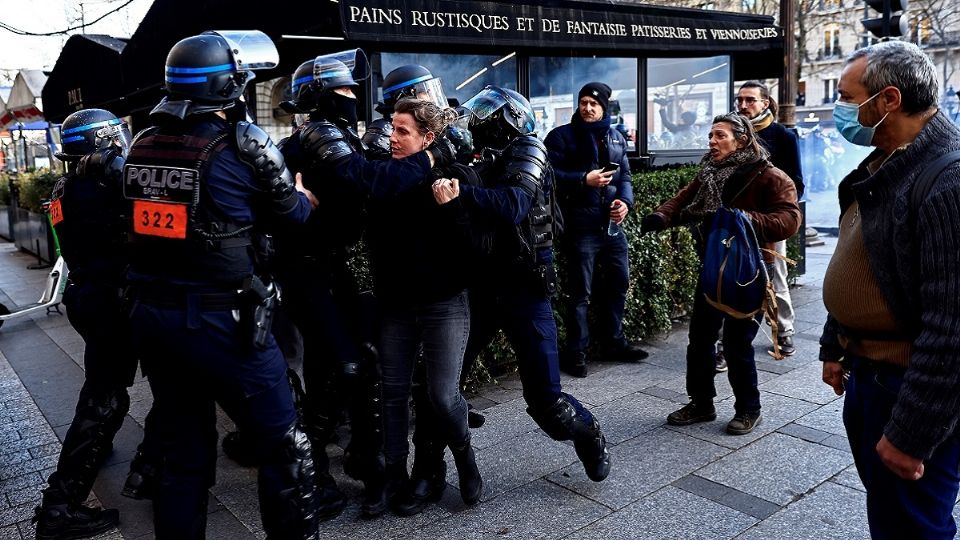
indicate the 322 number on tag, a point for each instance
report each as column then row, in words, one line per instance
column 160, row 219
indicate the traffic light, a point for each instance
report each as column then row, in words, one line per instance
column 892, row 21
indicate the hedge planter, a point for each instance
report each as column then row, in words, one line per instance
column 6, row 231
column 31, row 233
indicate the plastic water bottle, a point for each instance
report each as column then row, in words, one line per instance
column 613, row 228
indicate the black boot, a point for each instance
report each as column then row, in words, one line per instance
column 142, row 479
column 475, row 418
column 562, row 422
column 574, row 363
column 427, row 481
column 238, row 448
column 288, row 490
column 591, row 448
column 376, row 500
column 66, row 522
column 471, row 485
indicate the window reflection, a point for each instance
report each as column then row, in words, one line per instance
column 684, row 95
column 555, row 82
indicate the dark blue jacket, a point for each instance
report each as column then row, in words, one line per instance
column 784, row 148
column 586, row 209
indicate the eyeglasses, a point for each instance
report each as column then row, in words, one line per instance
column 749, row 100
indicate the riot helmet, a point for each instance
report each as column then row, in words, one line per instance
column 497, row 116
column 215, row 67
column 318, row 76
column 413, row 81
column 89, row 130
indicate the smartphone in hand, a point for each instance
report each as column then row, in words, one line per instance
column 610, row 167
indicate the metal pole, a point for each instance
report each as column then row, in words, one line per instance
column 788, row 86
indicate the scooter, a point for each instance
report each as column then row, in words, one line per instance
column 52, row 290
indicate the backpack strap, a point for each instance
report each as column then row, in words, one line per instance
column 921, row 188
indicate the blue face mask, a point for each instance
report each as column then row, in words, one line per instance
column 847, row 118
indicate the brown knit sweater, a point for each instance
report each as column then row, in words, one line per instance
column 853, row 298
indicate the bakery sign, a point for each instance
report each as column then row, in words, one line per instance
column 494, row 23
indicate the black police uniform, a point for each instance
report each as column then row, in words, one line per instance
column 321, row 296
column 520, row 280
column 88, row 213
column 191, row 325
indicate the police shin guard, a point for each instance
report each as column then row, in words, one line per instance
column 427, row 481
column 289, row 504
column 562, row 422
column 87, row 445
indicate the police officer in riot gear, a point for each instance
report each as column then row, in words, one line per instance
column 412, row 81
column 88, row 213
column 518, row 193
column 200, row 185
column 321, row 294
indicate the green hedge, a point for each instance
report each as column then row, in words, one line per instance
column 35, row 187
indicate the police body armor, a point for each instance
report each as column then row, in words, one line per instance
column 523, row 163
column 377, row 139
column 89, row 214
column 323, row 146
column 178, row 230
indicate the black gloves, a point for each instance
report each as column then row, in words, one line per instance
column 652, row 223
column 443, row 152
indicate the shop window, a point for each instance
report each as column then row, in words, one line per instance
column 683, row 97
column 555, row 82
column 462, row 75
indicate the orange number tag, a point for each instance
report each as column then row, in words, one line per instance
column 56, row 212
column 160, row 219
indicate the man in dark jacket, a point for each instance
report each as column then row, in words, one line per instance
column 892, row 337
column 593, row 184
column 755, row 103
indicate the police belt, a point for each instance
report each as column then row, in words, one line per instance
column 181, row 299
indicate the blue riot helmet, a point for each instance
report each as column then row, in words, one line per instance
column 89, row 130
column 317, row 76
column 497, row 116
column 209, row 72
column 413, row 81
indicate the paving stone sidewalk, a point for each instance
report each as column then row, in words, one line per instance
column 793, row 477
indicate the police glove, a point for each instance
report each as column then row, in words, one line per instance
column 443, row 152
column 652, row 223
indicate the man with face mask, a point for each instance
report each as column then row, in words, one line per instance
column 892, row 336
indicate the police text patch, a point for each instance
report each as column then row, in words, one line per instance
column 159, row 183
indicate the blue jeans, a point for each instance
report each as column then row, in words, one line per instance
column 443, row 328
column 738, row 334
column 897, row 508
column 584, row 255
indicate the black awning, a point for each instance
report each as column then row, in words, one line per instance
column 87, row 75
column 169, row 21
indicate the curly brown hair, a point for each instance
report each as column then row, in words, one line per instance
column 428, row 117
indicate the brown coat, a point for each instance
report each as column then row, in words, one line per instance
column 763, row 191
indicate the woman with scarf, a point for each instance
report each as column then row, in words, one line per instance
column 736, row 174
